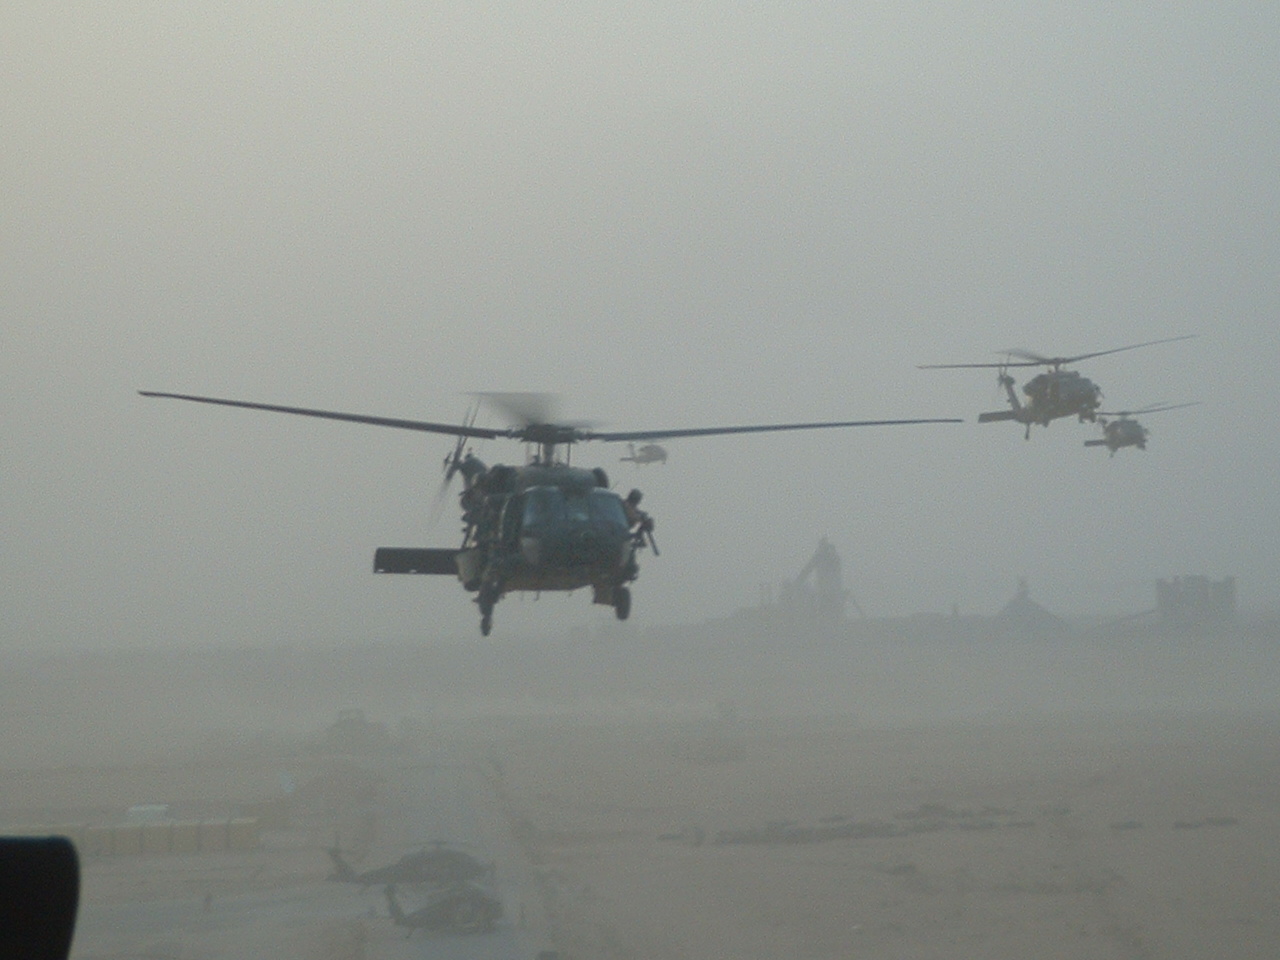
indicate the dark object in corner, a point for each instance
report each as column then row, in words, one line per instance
column 39, row 893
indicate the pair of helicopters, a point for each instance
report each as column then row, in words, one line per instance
column 546, row 525
column 1057, row 393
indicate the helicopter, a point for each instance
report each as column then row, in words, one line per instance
column 645, row 453
column 1125, row 431
column 1052, row 394
column 547, row 525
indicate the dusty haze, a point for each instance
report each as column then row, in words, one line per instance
column 673, row 215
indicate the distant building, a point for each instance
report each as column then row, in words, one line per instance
column 352, row 733
column 818, row 590
column 147, row 813
column 1022, row 614
column 1196, row 601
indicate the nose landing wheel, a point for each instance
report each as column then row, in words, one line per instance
column 488, row 599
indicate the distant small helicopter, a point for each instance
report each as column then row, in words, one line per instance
column 1050, row 395
column 546, row 525
column 646, row 453
column 1125, row 431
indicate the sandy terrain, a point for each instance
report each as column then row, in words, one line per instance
column 699, row 798
column 1124, row 837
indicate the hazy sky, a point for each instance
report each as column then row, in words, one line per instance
column 673, row 215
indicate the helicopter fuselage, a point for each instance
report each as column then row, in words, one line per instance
column 534, row 528
column 1061, row 393
column 1125, row 432
column 1050, row 396
column 546, row 527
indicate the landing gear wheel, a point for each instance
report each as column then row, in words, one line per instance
column 488, row 599
column 622, row 602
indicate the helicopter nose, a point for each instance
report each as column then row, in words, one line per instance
column 583, row 545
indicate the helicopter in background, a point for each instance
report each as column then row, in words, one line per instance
column 547, row 525
column 1124, row 431
column 645, row 453
column 1051, row 395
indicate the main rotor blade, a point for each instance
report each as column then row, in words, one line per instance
column 535, row 433
column 982, row 366
column 1030, row 359
column 761, row 428
column 1132, row 346
column 452, row 429
column 1154, row 408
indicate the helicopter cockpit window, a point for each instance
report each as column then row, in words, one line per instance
column 542, row 506
column 576, row 506
column 606, row 508
column 549, row 505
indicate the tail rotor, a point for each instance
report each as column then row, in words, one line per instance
column 1003, row 382
column 452, row 464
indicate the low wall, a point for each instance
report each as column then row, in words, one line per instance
column 156, row 837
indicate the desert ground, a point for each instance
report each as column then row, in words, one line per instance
column 643, row 817
column 1121, row 836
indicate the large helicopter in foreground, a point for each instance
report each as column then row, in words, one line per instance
column 1052, row 394
column 546, row 525
column 1124, row 431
